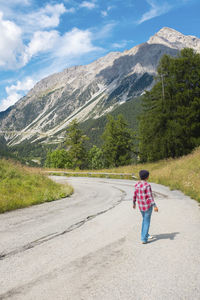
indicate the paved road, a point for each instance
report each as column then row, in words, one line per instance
column 88, row 247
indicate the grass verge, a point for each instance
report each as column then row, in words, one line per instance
column 179, row 174
column 21, row 187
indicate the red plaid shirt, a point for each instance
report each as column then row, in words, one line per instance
column 143, row 195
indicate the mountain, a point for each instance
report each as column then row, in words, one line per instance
column 94, row 128
column 34, row 154
column 90, row 91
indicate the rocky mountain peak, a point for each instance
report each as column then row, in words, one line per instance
column 174, row 39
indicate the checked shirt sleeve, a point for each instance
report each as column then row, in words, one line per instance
column 135, row 196
column 150, row 195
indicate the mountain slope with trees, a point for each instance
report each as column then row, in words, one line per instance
column 94, row 128
column 34, row 154
column 117, row 148
column 170, row 121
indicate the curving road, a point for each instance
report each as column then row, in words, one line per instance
column 88, row 246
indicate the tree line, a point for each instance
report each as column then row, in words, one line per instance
column 117, row 148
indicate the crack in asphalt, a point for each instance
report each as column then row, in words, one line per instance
column 57, row 234
column 126, row 184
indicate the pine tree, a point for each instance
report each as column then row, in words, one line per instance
column 170, row 122
column 75, row 146
column 118, row 142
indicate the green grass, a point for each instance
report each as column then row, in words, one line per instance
column 21, row 187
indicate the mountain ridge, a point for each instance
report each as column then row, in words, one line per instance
column 89, row 91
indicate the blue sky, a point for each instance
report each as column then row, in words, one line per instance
column 39, row 37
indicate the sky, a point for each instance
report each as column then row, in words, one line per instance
column 39, row 37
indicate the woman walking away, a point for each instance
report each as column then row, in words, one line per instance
column 144, row 197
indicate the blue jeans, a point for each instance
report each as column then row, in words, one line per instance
column 146, row 215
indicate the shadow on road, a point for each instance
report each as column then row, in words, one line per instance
column 164, row 236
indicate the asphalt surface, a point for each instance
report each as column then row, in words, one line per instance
column 88, row 246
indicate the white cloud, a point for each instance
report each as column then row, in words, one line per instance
column 10, row 100
column 46, row 17
column 31, row 19
column 42, row 41
column 87, row 4
column 24, row 85
column 72, row 44
column 15, row 92
column 75, row 43
column 16, row 52
column 11, row 44
column 155, row 11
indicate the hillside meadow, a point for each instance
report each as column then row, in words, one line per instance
column 21, row 186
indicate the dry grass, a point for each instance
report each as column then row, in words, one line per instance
column 180, row 174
